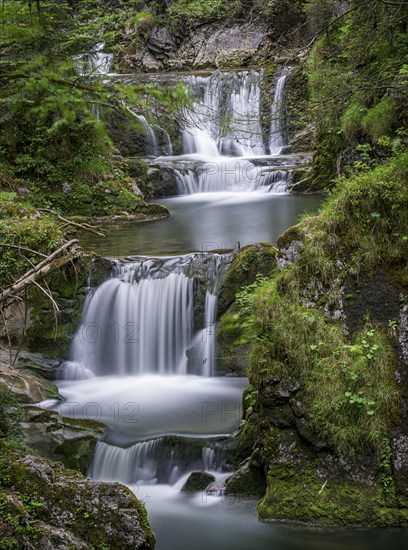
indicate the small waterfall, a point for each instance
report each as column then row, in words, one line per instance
column 228, row 174
column 140, row 321
column 276, row 181
column 137, row 327
column 135, row 464
column 97, row 63
column 226, row 115
column 208, row 458
column 150, row 462
column 276, row 141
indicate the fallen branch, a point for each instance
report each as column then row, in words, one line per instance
column 23, row 248
column 83, row 226
column 41, row 270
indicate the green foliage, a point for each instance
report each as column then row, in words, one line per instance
column 37, row 233
column 198, row 9
column 381, row 119
column 358, row 83
column 349, row 386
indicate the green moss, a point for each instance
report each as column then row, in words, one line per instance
column 300, row 495
column 381, row 119
column 252, row 260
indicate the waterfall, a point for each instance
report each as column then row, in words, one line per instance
column 137, row 327
column 276, row 141
column 223, row 135
column 150, row 462
column 97, row 63
column 226, row 115
column 135, row 464
column 140, row 321
column 148, row 131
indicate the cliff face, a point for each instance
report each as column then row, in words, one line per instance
column 198, row 35
column 326, row 416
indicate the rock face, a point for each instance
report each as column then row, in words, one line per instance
column 279, row 454
column 46, row 506
column 71, row 441
column 197, row 481
column 208, row 45
column 27, row 387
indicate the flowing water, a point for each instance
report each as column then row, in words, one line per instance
column 144, row 358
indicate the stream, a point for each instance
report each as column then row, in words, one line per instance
column 144, row 363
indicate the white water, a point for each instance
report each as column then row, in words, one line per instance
column 140, row 321
column 226, row 115
column 223, row 132
column 97, row 63
column 276, row 141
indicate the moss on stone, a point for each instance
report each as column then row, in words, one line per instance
column 301, row 495
column 247, row 264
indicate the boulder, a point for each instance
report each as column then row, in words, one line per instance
column 27, row 387
column 197, row 481
column 55, row 508
column 69, row 440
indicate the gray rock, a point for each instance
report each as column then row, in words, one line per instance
column 289, row 255
column 161, row 42
column 73, row 511
column 197, row 481
column 27, row 387
column 71, row 441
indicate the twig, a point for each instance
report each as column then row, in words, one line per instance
column 23, row 248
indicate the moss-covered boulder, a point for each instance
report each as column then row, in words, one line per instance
column 197, row 481
column 70, row 440
column 250, row 261
column 46, row 506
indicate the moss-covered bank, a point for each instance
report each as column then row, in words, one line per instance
column 326, row 419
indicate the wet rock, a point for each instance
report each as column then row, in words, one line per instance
column 71, row 511
column 248, row 480
column 71, row 441
column 197, row 481
column 27, row 387
column 288, row 255
column 160, row 182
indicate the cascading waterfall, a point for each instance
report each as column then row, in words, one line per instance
column 223, row 135
column 225, row 118
column 97, row 63
column 140, row 321
column 276, row 141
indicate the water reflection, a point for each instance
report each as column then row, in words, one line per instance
column 205, row 222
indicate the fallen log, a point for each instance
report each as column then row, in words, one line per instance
column 41, row 270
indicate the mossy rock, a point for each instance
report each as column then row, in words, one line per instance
column 41, row 498
column 232, row 355
column 303, row 495
column 252, row 260
column 69, row 440
column 249, row 480
column 197, row 481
